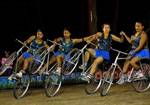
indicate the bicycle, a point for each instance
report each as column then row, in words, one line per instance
column 10, row 60
column 95, row 82
column 109, row 77
column 21, row 85
column 94, row 85
column 68, row 66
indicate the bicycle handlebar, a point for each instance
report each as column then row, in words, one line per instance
column 88, row 42
column 20, row 50
column 54, row 42
column 23, row 44
column 119, row 51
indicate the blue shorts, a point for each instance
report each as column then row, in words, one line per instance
column 102, row 53
column 143, row 54
column 66, row 56
column 27, row 55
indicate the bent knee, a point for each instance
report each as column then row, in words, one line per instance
column 91, row 51
column 132, row 62
column 98, row 60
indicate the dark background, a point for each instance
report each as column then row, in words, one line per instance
column 21, row 18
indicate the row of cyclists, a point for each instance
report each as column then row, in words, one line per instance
column 139, row 42
column 101, row 53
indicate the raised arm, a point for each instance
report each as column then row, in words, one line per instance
column 127, row 38
column 30, row 39
column 52, row 47
column 57, row 40
column 92, row 37
column 75, row 41
column 117, row 39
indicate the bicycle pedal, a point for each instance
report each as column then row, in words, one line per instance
column 83, row 74
column 45, row 73
column 109, row 82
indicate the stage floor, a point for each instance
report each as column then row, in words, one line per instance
column 75, row 95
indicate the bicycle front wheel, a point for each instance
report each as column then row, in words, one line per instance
column 93, row 86
column 52, row 87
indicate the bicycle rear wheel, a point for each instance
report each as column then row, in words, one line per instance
column 107, row 82
column 21, row 86
column 52, row 87
column 93, row 86
column 142, row 84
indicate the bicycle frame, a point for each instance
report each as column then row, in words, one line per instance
column 115, row 64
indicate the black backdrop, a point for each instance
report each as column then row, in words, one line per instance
column 21, row 18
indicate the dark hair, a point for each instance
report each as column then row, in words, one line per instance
column 39, row 30
column 140, row 22
column 67, row 29
column 105, row 24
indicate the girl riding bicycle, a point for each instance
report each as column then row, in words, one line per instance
column 102, row 52
column 65, row 44
column 36, row 42
column 140, row 50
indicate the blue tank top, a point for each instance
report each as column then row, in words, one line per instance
column 136, row 41
column 104, row 44
column 66, row 46
column 36, row 46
